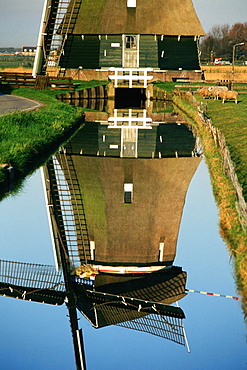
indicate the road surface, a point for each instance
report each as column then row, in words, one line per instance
column 10, row 103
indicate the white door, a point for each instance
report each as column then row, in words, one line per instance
column 129, row 142
column 130, row 51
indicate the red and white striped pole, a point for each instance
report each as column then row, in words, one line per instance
column 214, row 294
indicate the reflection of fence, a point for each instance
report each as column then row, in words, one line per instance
column 130, row 118
column 220, row 141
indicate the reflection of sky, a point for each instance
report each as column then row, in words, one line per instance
column 36, row 336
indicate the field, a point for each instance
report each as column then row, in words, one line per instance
column 15, row 61
column 231, row 119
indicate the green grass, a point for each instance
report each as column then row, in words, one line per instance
column 168, row 86
column 231, row 119
column 87, row 84
column 28, row 138
column 16, row 61
column 26, row 134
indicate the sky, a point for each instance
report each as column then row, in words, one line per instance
column 20, row 19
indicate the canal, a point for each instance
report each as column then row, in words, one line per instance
column 38, row 336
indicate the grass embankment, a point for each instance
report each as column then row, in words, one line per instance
column 230, row 118
column 28, row 138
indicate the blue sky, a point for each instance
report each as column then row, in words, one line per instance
column 20, row 19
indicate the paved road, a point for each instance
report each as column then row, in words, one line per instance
column 10, row 103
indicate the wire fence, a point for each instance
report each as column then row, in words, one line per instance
column 220, row 142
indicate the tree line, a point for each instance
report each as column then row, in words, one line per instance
column 219, row 42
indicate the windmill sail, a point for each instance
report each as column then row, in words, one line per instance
column 137, row 303
column 32, row 282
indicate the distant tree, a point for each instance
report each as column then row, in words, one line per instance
column 238, row 34
column 219, row 41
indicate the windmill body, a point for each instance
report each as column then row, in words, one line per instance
column 76, row 34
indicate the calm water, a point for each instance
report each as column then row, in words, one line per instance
column 41, row 335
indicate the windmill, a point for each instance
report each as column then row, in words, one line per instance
column 78, row 35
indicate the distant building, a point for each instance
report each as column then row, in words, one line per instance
column 28, row 51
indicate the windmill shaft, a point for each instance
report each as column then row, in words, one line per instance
column 77, row 340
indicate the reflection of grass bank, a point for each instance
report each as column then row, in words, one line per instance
column 230, row 226
column 28, row 138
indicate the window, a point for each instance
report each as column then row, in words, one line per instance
column 128, row 193
column 131, row 3
column 130, row 42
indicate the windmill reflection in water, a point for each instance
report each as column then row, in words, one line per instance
column 115, row 195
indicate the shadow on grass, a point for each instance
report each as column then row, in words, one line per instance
column 6, row 89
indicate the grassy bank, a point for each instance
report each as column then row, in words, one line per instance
column 230, row 227
column 231, row 120
column 28, row 138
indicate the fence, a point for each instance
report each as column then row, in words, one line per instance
column 17, row 79
column 130, row 76
column 220, row 142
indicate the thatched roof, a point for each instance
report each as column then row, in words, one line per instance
column 160, row 17
column 132, row 233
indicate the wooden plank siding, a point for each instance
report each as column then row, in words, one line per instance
column 110, row 56
column 111, row 137
column 175, row 53
column 148, row 51
column 147, row 142
column 164, row 52
column 82, row 52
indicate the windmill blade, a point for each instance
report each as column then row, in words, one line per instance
column 162, row 320
column 44, row 284
column 66, row 211
column 33, row 282
column 33, row 295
